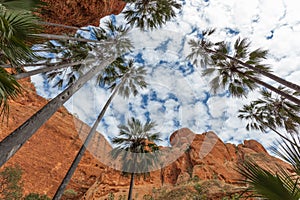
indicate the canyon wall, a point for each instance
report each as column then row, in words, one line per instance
column 78, row 13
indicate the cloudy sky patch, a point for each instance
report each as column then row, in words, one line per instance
column 177, row 95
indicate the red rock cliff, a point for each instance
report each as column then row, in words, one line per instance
column 204, row 156
column 79, row 13
column 46, row 157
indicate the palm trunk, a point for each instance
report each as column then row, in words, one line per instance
column 63, row 37
column 131, row 186
column 47, row 69
column 270, row 87
column 61, row 25
column 80, row 153
column 261, row 71
column 14, row 141
column 162, row 179
column 33, row 64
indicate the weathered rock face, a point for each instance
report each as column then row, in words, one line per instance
column 79, row 13
column 203, row 156
column 46, row 157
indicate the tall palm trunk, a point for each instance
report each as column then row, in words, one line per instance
column 62, row 26
column 131, row 186
column 34, row 64
column 270, row 87
column 80, row 153
column 14, row 141
column 47, row 69
column 261, row 71
column 63, row 37
column 162, row 173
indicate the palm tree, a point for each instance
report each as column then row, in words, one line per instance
column 136, row 147
column 273, row 112
column 71, row 52
column 105, row 56
column 123, row 79
column 242, row 59
column 150, row 14
column 9, row 89
column 281, row 185
column 237, row 82
column 16, row 27
column 267, row 185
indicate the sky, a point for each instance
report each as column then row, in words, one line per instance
column 177, row 95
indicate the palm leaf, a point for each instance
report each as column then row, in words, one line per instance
column 9, row 89
column 22, row 4
column 267, row 185
column 15, row 33
column 150, row 14
column 135, row 146
column 289, row 151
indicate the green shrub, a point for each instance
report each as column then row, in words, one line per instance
column 11, row 184
column 111, row 196
column 122, row 197
column 195, row 178
column 148, row 197
column 200, row 191
column 198, row 188
column 70, row 193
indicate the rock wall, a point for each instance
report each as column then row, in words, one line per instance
column 46, row 157
column 204, row 156
column 78, row 13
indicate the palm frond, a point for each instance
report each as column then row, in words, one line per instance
column 9, row 90
column 241, row 48
column 16, row 28
column 289, row 151
column 135, row 146
column 267, row 185
column 150, row 14
column 21, row 4
column 273, row 112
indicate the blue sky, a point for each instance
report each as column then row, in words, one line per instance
column 177, row 95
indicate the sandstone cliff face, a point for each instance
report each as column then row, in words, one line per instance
column 203, row 156
column 46, row 157
column 78, row 13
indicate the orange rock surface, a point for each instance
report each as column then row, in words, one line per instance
column 204, row 156
column 78, row 13
column 46, row 157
